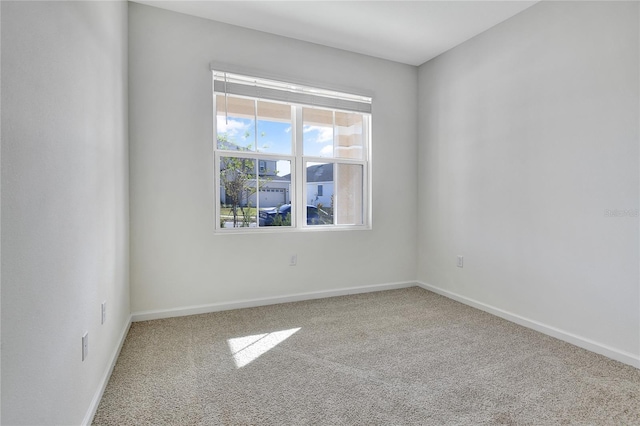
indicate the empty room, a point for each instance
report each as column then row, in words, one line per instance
column 320, row 212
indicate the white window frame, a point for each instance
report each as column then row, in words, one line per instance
column 298, row 160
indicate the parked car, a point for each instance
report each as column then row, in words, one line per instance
column 268, row 215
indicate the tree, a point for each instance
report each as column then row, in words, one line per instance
column 240, row 180
column 236, row 176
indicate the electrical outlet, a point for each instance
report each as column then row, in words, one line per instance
column 293, row 260
column 103, row 312
column 85, row 345
column 460, row 262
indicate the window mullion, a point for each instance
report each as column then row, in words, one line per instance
column 300, row 177
column 256, row 169
column 335, row 134
column 255, row 125
column 366, row 194
column 336, row 195
column 335, row 160
column 216, row 189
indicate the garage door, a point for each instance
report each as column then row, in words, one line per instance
column 272, row 197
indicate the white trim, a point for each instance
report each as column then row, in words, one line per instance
column 252, row 303
column 334, row 102
column 583, row 342
column 95, row 402
column 248, row 71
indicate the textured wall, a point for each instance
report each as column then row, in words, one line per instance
column 176, row 259
column 64, row 204
column 528, row 135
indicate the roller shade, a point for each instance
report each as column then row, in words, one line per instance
column 242, row 85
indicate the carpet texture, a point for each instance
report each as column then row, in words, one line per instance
column 398, row 357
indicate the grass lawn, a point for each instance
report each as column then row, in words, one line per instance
column 226, row 211
column 326, row 214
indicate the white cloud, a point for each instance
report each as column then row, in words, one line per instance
column 322, row 133
column 231, row 127
column 327, row 150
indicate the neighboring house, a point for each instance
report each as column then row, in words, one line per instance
column 320, row 185
column 277, row 190
column 274, row 190
column 274, row 193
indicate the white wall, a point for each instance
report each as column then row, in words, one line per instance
column 64, row 205
column 176, row 260
column 527, row 134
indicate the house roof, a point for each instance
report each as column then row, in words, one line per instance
column 317, row 173
column 320, row 173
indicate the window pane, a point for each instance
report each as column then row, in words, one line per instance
column 320, row 193
column 274, row 194
column 237, row 192
column 235, row 123
column 349, row 201
column 317, row 132
column 348, row 135
column 274, row 128
column 264, row 135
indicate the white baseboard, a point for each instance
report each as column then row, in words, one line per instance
column 252, row 303
column 588, row 344
column 95, row 402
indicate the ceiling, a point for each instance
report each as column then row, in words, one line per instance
column 411, row 32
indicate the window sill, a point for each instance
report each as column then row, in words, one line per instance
column 282, row 229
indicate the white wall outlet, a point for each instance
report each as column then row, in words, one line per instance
column 85, row 345
column 103, row 312
column 460, row 262
column 293, row 260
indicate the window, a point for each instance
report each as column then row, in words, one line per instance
column 289, row 156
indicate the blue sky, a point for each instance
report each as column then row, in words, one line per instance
column 318, row 140
column 275, row 137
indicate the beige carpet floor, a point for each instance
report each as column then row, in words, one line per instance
column 399, row 357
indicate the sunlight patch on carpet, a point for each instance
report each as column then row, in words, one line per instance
column 247, row 349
